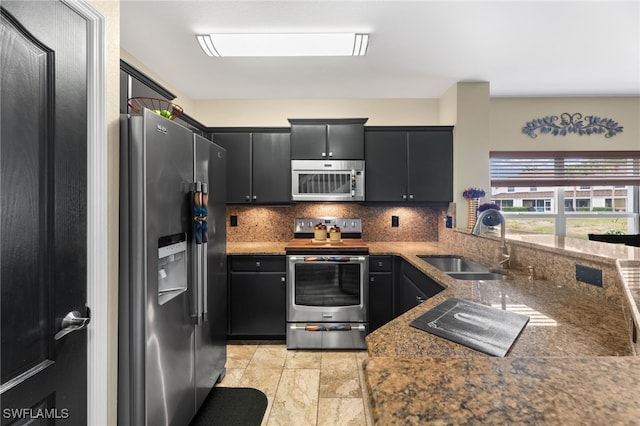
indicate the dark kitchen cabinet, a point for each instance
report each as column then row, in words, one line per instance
column 405, row 164
column 257, row 297
column 380, row 291
column 258, row 166
column 412, row 287
column 322, row 139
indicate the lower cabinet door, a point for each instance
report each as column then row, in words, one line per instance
column 380, row 299
column 412, row 296
column 257, row 304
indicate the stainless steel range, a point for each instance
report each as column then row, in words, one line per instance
column 327, row 291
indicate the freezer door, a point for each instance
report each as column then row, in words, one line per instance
column 211, row 331
column 169, row 339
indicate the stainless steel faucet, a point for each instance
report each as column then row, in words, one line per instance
column 493, row 217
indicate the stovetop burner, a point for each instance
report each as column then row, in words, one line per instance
column 350, row 240
column 349, row 227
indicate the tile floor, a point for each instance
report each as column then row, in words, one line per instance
column 303, row 387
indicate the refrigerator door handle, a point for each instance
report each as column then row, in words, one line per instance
column 204, row 304
column 204, row 212
column 197, row 254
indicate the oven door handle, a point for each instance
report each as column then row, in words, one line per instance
column 315, row 327
column 328, row 259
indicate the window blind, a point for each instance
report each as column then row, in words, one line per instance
column 564, row 168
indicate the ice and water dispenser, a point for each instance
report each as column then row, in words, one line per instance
column 172, row 266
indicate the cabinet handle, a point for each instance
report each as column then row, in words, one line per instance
column 380, row 264
column 255, row 197
column 283, row 279
column 330, row 154
column 372, row 279
column 404, row 196
column 419, row 299
column 247, row 198
column 324, row 154
column 258, row 264
column 411, row 196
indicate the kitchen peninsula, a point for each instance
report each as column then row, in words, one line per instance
column 574, row 363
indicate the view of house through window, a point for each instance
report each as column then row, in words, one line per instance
column 567, row 193
column 585, row 210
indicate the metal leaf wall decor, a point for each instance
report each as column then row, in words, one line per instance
column 572, row 123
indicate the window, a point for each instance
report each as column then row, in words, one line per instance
column 578, row 192
column 584, row 204
column 503, row 203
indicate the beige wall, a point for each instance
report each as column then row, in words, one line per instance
column 275, row 112
column 510, row 115
column 469, row 104
column 111, row 11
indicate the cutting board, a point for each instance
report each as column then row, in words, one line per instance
column 489, row 330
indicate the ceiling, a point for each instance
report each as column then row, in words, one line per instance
column 417, row 49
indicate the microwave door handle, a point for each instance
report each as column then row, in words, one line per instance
column 353, row 183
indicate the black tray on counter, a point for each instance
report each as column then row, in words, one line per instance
column 486, row 329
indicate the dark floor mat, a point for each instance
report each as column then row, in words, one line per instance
column 231, row 407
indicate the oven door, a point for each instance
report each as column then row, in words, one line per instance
column 327, row 288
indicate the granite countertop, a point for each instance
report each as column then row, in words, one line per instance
column 504, row 391
column 256, row 248
column 563, row 320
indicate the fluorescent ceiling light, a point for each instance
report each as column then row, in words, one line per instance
column 302, row 44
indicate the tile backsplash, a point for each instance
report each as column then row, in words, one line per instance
column 276, row 223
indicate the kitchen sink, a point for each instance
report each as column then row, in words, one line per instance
column 462, row 269
column 454, row 264
column 478, row 276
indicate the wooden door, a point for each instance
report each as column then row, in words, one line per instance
column 43, row 237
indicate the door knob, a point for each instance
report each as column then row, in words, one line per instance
column 72, row 322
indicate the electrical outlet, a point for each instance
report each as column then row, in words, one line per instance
column 589, row 275
column 233, row 220
column 395, row 221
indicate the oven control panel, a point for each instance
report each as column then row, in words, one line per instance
column 346, row 225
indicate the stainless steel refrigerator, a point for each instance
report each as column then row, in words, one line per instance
column 172, row 292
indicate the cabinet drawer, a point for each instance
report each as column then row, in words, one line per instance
column 258, row 264
column 380, row 263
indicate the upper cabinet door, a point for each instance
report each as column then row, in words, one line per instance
column 430, row 156
column 327, row 139
column 345, row 141
column 386, row 166
column 309, row 142
column 271, row 168
column 238, row 146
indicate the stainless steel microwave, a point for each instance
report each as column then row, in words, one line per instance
column 332, row 180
